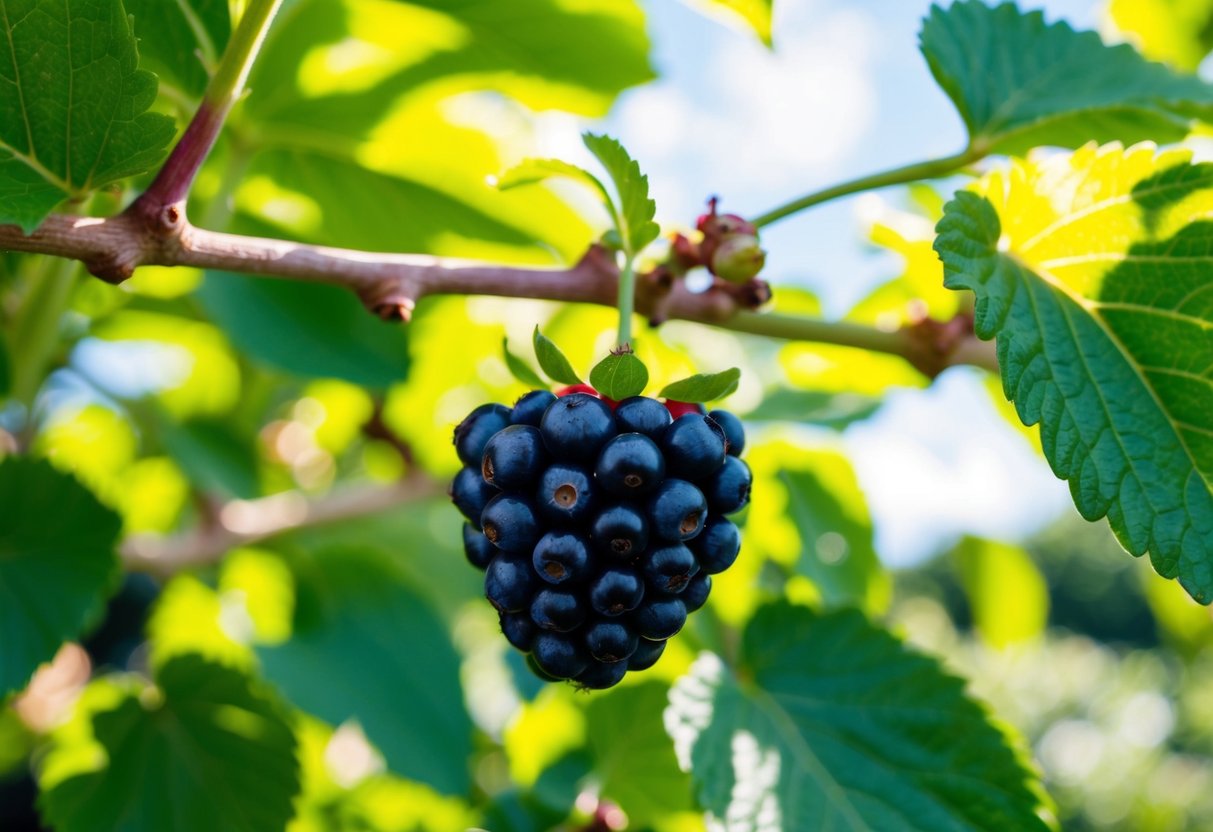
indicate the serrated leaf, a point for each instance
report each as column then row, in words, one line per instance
column 73, row 105
column 552, row 361
column 518, row 368
column 1020, row 82
column 703, row 387
column 181, row 41
column 367, row 647
column 208, row 751
column 1099, row 288
column 831, row 723
column 636, row 210
column 57, row 564
column 619, row 376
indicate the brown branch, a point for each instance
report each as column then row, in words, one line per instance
column 241, row 522
column 390, row 285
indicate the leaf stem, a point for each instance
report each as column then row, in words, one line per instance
column 930, row 169
column 627, row 301
column 173, row 182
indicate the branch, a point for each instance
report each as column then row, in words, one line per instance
column 390, row 285
column 241, row 522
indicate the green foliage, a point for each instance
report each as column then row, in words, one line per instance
column 753, row 13
column 57, row 564
column 831, row 721
column 1020, row 83
column 634, row 218
column 703, row 387
column 72, row 105
column 619, row 376
column 366, row 646
column 552, row 360
column 204, row 749
column 519, row 369
column 181, row 41
column 1105, row 339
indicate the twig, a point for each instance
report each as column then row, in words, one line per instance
column 241, row 522
column 390, row 285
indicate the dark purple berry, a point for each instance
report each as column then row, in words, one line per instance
column 539, row 671
column 640, row 414
column 600, row 676
column 696, row 593
column 659, row 617
column 509, row 523
column 558, row 609
column 610, row 640
column 693, row 447
column 728, row 490
column 470, row 493
column 519, row 629
column 646, row 655
column 576, row 426
column 509, row 583
column 668, row 568
column 734, row 432
column 562, row 557
column 474, row 432
column 528, row 410
column 558, row 655
column 566, row 493
column 717, row 547
column 630, row 465
column 620, row 531
column 477, row 548
column 677, row 510
column 514, row 458
column 616, row 591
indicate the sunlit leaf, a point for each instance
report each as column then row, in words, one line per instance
column 205, row 749
column 1020, row 82
column 366, row 647
column 832, row 410
column 72, row 105
column 552, row 360
column 534, row 171
column 57, row 564
column 189, row 618
column 756, row 14
column 636, row 210
column 1177, row 32
column 829, row 722
column 1007, row 594
column 619, row 376
column 1092, row 271
column 703, row 387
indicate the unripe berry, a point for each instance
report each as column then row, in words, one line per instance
column 738, row 259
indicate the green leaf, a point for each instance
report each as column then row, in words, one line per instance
column 809, row 514
column 831, row 723
column 619, row 376
column 552, row 360
column 181, row 41
column 632, row 758
column 519, row 369
column 534, row 171
column 1008, row 596
column 310, row 330
column 72, row 105
column 636, row 210
column 367, row 647
column 205, row 750
column 1019, row 82
column 703, row 387
column 6, row 373
column 814, row 407
column 753, row 13
column 1177, row 32
column 57, row 564
column 1099, row 289
column 217, row 459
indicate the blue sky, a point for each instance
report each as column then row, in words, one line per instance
column 844, row 93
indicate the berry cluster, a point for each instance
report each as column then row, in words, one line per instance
column 729, row 247
column 598, row 524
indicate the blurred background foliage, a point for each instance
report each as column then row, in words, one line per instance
column 180, row 398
